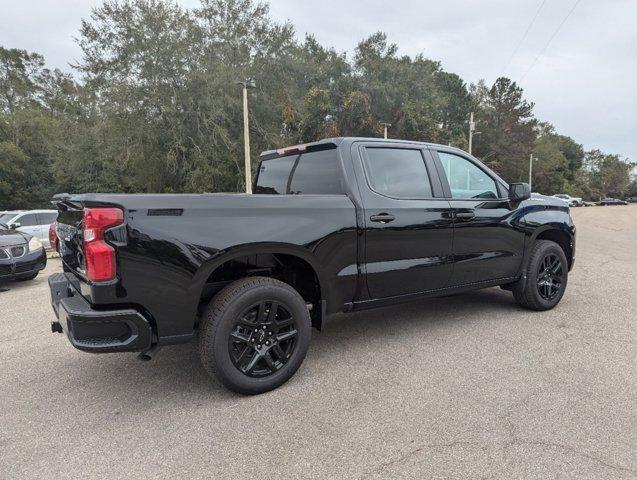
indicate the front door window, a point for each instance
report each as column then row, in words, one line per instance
column 466, row 179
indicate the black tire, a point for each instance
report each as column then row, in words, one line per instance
column 27, row 278
column 539, row 291
column 235, row 316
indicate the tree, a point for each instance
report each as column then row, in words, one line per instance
column 508, row 128
column 454, row 109
column 29, row 110
column 550, row 168
column 631, row 190
column 609, row 174
column 156, row 107
column 13, row 165
column 403, row 91
column 356, row 118
column 559, row 158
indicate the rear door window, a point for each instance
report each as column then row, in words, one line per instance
column 397, row 172
column 313, row 173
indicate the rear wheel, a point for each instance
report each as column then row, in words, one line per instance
column 546, row 277
column 254, row 335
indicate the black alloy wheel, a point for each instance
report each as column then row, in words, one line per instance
column 549, row 276
column 263, row 339
column 544, row 279
column 254, row 334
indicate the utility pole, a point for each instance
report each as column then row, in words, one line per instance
column 472, row 127
column 386, row 126
column 248, row 83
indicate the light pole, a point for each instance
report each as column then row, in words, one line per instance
column 531, row 171
column 385, row 126
column 472, row 128
column 248, row 83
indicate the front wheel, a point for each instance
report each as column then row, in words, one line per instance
column 546, row 277
column 27, row 278
column 254, row 335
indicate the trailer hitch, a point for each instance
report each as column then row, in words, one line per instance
column 148, row 355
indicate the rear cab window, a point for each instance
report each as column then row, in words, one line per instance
column 303, row 173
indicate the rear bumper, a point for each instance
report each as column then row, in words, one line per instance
column 97, row 331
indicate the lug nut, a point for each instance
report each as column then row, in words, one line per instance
column 267, row 343
column 259, row 346
column 263, row 327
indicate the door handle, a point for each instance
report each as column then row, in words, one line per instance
column 465, row 215
column 382, row 218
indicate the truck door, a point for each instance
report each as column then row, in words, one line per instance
column 488, row 242
column 408, row 225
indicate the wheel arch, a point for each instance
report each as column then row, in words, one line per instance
column 292, row 264
column 560, row 235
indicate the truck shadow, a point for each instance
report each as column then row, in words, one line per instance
column 176, row 372
column 6, row 285
column 53, row 266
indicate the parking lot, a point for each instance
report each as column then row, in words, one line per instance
column 468, row 386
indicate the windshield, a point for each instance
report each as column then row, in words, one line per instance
column 5, row 217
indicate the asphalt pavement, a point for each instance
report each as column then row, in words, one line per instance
column 467, row 386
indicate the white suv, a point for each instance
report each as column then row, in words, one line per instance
column 572, row 201
column 33, row 222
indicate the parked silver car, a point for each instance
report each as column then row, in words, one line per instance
column 33, row 222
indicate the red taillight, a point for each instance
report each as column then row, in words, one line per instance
column 53, row 237
column 99, row 255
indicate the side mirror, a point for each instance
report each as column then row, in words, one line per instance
column 15, row 226
column 519, row 192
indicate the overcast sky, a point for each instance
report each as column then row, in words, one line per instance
column 584, row 81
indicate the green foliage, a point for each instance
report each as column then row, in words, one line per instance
column 631, row 190
column 551, row 166
column 558, row 160
column 508, row 128
column 13, row 165
column 608, row 173
column 157, row 107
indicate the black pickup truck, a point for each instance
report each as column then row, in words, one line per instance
column 333, row 226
